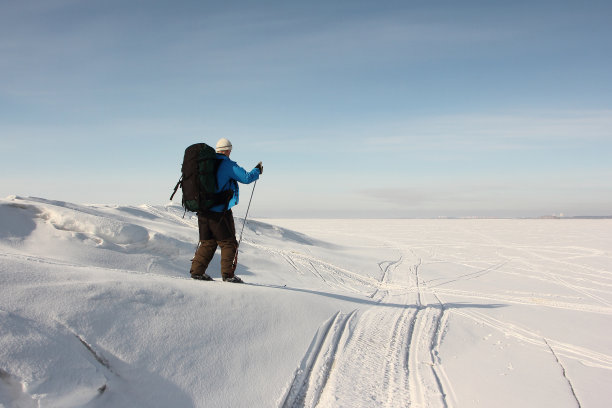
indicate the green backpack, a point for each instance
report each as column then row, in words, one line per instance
column 199, row 179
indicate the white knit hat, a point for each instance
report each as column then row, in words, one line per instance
column 223, row 145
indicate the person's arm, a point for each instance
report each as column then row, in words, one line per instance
column 244, row 177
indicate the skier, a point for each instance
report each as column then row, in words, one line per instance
column 216, row 225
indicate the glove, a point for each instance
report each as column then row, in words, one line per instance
column 260, row 167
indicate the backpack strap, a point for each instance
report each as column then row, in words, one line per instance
column 180, row 183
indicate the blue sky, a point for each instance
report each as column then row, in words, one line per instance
column 357, row 108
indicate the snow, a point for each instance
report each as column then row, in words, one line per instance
column 97, row 310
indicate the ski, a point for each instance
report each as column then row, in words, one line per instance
column 265, row 285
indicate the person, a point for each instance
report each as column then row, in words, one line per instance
column 216, row 225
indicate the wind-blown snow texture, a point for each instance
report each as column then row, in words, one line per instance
column 97, row 310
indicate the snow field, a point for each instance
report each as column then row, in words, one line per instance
column 97, row 309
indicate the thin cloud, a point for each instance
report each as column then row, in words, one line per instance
column 494, row 132
column 534, row 131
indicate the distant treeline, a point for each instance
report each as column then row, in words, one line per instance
column 578, row 217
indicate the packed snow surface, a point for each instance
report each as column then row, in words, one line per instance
column 97, row 310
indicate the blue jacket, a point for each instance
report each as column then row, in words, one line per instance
column 228, row 174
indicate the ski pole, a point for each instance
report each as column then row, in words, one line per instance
column 235, row 262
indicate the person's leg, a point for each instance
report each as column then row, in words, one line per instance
column 228, row 252
column 204, row 254
column 224, row 231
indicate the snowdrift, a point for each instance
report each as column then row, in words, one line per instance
column 97, row 309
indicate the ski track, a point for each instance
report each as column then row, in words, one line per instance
column 380, row 356
column 330, row 274
column 585, row 356
column 314, row 372
column 564, row 371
